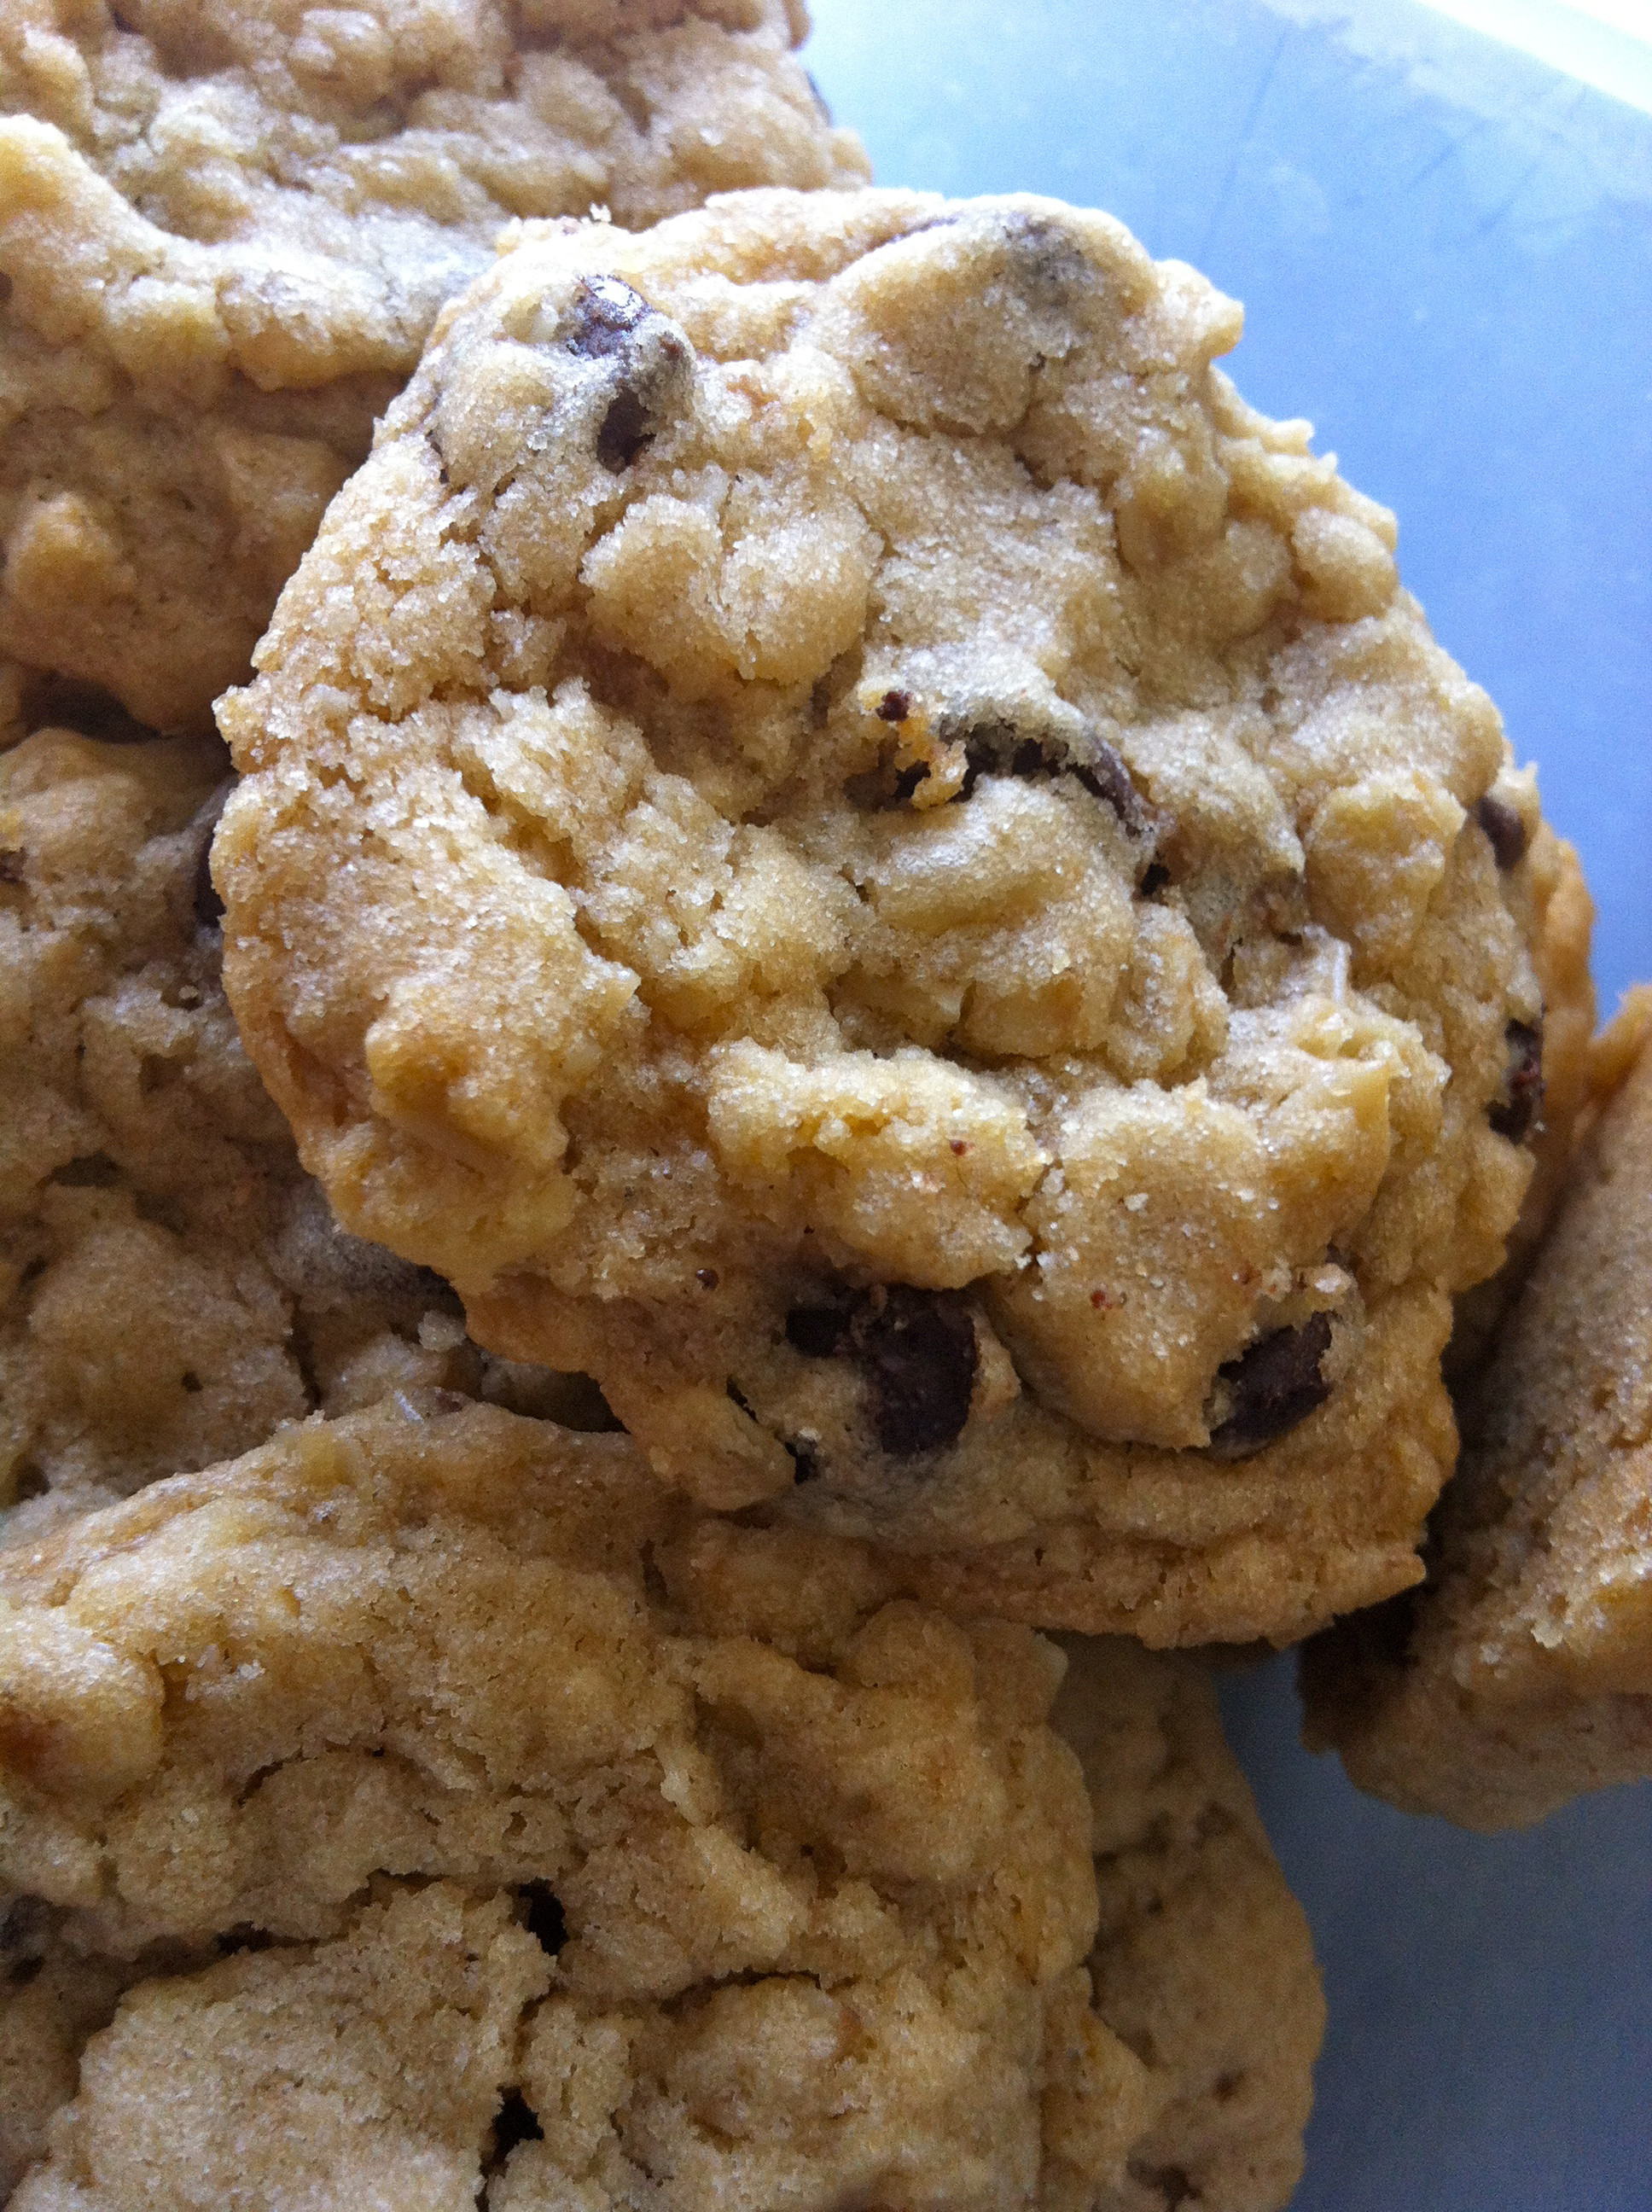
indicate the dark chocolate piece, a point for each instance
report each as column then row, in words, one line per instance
column 1513, row 1114
column 1503, row 825
column 998, row 748
column 606, row 314
column 608, row 320
column 1273, row 1385
column 917, row 1350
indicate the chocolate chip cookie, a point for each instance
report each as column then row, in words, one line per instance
column 1522, row 1674
column 225, row 230
column 619, row 1855
column 846, row 839
column 172, row 1285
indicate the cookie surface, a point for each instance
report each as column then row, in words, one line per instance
column 627, row 1852
column 842, row 838
column 225, row 230
column 171, row 1284
column 1522, row 1674
column 1203, row 1962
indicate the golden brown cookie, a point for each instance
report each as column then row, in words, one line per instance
column 844, row 839
column 628, row 1857
column 1203, row 1962
column 171, row 1283
column 1522, row 1674
column 1556, row 917
column 225, row 230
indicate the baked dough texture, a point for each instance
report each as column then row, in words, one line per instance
column 225, row 227
column 844, row 839
column 623, row 1857
column 1556, row 917
column 1203, row 1962
column 1522, row 1674
column 172, row 1285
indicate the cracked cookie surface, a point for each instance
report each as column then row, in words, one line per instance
column 172, row 1285
column 1522, row 1674
column 626, row 1855
column 225, row 230
column 843, row 838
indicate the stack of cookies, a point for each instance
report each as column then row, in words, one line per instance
column 855, row 988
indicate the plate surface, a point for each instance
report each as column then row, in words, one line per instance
column 1444, row 248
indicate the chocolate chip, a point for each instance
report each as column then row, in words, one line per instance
column 917, row 1352
column 12, row 858
column 806, row 1465
column 921, row 1357
column 894, row 707
column 999, row 749
column 707, row 1278
column 606, row 314
column 1513, row 1114
column 1107, row 778
column 543, row 1916
column 1503, row 825
column 818, row 1332
column 1272, row 1387
column 627, row 427
column 611, row 322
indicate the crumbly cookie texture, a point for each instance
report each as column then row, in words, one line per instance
column 1522, row 1674
column 1556, row 917
column 843, row 838
column 225, row 230
column 171, row 1284
column 626, row 1856
column 1203, row 1961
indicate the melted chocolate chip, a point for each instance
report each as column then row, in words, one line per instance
column 627, row 427
column 12, row 858
column 917, row 1352
column 543, row 1916
column 1272, row 1387
column 818, row 1332
column 998, row 748
column 1155, row 877
column 1503, row 825
column 1513, row 1114
column 921, row 1358
column 894, row 705
column 607, row 323
column 606, row 314
column 806, row 1465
